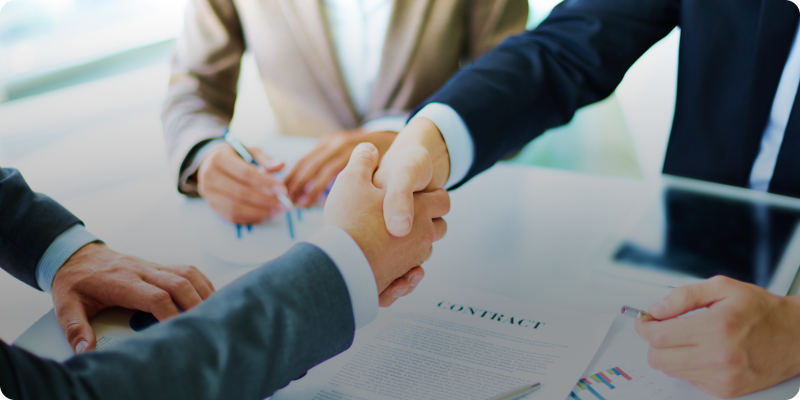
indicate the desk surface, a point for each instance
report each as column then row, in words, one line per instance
column 516, row 231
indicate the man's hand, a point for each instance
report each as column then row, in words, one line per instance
column 747, row 340
column 356, row 206
column 418, row 160
column 96, row 277
column 308, row 179
column 239, row 191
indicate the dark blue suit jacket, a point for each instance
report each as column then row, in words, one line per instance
column 732, row 54
column 29, row 223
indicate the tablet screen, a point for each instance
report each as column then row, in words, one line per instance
column 703, row 235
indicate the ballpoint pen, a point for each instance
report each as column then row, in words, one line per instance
column 517, row 393
column 239, row 147
column 638, row 314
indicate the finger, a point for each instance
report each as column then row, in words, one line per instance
column 317, row 187
column 240, row 213
column 306, row 169
column 243, row 192
column 266, row 161
column 146, row 297
column 201, row 284
column 691, row 297
column 181, row 290
column 412, row 174
column 74, row 320
column 396, row 289
column 362, row 165
column 249, row 175
column 673, row 332
column 436, row 203
column 439, row 229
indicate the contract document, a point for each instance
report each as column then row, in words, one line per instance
column 444, row 342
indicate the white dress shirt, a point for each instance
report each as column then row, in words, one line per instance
column 764, row 166
column 461, row 148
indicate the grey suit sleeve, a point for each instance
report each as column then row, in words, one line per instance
column 245, row 342
column 29, row 223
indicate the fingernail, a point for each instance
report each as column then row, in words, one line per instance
column 81, row 347
column 303, row 200
column 279, row 189
column 400, row 223
column 416, row 280
column 399, row 292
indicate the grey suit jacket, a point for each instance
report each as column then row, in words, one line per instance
column 244, row 342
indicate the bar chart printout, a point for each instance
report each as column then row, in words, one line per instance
column 616, row 383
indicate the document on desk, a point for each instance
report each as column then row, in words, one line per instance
column 620, row 371
column 444, row 342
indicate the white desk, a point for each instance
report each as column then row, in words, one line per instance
column 516, row 231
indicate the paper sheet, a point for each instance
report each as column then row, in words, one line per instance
column 622, row 360
column 443, row 342
column 254, row 246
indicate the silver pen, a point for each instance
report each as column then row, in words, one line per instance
column 517, row 393
column 638, row 314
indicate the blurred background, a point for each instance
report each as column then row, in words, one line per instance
column 82, row 83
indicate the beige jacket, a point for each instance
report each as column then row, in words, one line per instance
column 426, row 42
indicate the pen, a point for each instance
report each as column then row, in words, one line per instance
column 515, row 394
column 638, row 314
column 239, row 147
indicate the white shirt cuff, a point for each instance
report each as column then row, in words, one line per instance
column 391, row 123
column 198, row 158
column 456, row 138
column 355, row 269
column 65, row 245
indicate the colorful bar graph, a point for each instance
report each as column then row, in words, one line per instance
column 594, row 392
column 624, row 375
column 603, row 379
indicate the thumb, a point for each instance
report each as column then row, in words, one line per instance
column 266, row 161
column 363, row 163
column 688, row 298
column 411, row 174
column 74, row 320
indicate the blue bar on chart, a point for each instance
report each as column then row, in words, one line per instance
column 574, row 396
column 604, row 380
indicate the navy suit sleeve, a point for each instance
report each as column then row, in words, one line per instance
column 538, row 79
column 245, row 342
column 29, row 223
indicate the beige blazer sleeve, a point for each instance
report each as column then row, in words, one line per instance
column 202, row 86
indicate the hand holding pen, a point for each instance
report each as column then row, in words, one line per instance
column 741, row 339
column 278, row 191
column 238, row 190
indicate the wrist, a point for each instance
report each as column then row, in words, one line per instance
column 792, row 312
column 423, row 132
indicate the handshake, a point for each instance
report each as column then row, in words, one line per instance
column 356, row 204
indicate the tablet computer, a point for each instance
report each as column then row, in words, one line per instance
column 691, row 231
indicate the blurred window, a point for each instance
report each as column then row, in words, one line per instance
column 42, row 36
